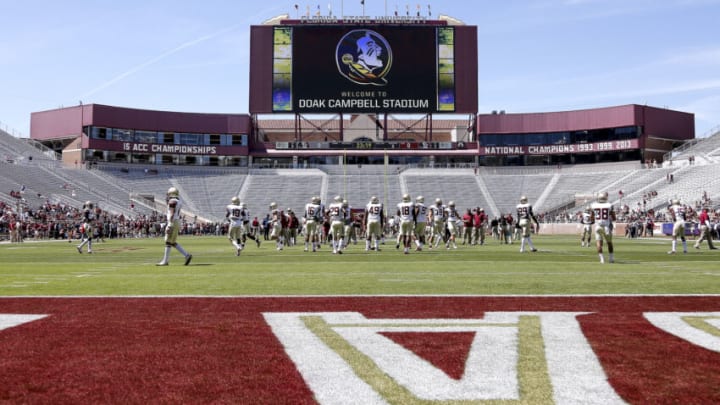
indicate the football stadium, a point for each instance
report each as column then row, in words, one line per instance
column 361, row 235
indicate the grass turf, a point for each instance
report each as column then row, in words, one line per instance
column 561, row 266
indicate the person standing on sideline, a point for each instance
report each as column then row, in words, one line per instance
column 174, row 206
column 87, row 228
column 679, row 216
column 704, row 220
column 603, row 215
column 526, row 219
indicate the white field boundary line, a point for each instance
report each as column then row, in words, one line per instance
column 369, row 296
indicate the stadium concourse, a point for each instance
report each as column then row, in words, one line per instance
column 37, row 184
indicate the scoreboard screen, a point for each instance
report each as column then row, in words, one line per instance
column 355, row 68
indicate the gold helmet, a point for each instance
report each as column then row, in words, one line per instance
column 345, row 203
column 316, row 199
column 243, row 205
column 338, row 198
column 602, row 196
column 374, row 199
column 438, row 201
column 273, row 205
column 523, row 200
column 420, row 199
column 235, row 201
column 173, row 192
column 451, row 203
column 406, row 198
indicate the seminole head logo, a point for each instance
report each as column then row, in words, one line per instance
column 364, row 57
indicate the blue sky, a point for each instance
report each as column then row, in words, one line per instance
column 534, row 55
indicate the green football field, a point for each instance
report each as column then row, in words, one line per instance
column 561, row 266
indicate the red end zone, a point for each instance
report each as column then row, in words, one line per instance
column 260, row 350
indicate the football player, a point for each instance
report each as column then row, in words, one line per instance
column 453, row 217
column 586, row 223
column 86, row 229
column 420, row 222
column 234, row 214
column 603, row 215
column 313, row 218
column 174, row 206
column 375, row 222
column 526, row 219
column 406, row 212
column 348, row 228
column 336, row 212
column 437, row 219
column 678, row 213
column 277, row 218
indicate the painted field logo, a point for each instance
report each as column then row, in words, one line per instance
column 533, row 357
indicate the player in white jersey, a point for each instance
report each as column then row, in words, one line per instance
column 374, row 223
column 277, row 219
column 586, row 223
column 452, row 217
column 174, row 207
column 436, row 216
column 88, row 225
column 336, row 212
column 678, row 213
column 406, row 213
column 234, row 214
column 526, row 219
column 420, row 222
column 603, row 215
column 313, row 215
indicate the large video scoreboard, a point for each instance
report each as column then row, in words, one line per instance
column 363, row 68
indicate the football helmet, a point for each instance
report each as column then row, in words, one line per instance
column 235, row 201
column 675, row 201
column 88, row 204
column 345, row 203
column 338, row 198
column 243, row 205
column 316, row 200
column 420, row 199
column 173, row 192
column 523, row 200
column 273, row 205
column 602, row 196
column 438, row 201
column 374, row 199
column 406, row 197
column 587, row 208
column 451, row 204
